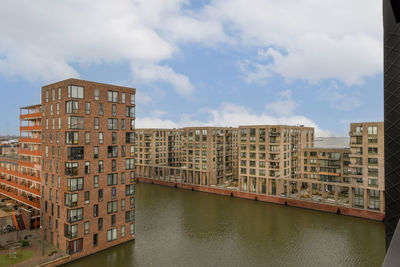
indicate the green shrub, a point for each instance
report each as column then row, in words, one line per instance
column 24, row 243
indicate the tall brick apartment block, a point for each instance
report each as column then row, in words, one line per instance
column 367, row 165
column 88, row 172
column 268, row 157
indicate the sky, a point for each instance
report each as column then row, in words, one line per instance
column 217, row 62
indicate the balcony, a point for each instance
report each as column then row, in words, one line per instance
column 355, row 133
column 21, row 175
column 31, row 128
column 33, row 204
column 30, row 140
column 20, row 187
column 36, row 115
column 31, row 152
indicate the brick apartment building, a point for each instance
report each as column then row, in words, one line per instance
column 88, row 176
column 199, row 155
column 268, row 157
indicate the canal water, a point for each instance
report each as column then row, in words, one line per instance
column 178, row 227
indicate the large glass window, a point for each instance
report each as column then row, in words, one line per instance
column 71, row 200
column 74, row 215
column 112, row 206
column 112, row 179
column 112, row 124
column 71, row 168
column 112, row 96
column 74, row 184
column 112, row 151
column 76, row 122
column 75, row 91
column 72, row 107
column 76, row 153
column 130, row 112
column 112, row 234
column 72, row 138
column 129, row 216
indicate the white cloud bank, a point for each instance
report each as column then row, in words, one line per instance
column 309, row 40
column 228, row 114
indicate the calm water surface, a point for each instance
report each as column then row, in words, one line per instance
column 177, row 227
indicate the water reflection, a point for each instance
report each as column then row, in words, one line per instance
column 177, row 227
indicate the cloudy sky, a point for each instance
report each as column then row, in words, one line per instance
column 214, row 62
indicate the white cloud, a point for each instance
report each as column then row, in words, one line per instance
column 41, row 39
column 300, row 40
column 151, row 73
column 227, row 115
column 284, row 106
column 306, row 39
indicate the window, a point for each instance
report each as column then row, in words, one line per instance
column 75, row 153
column 74, row 215
column 132, row 99
column 70, row 231
column 96, row 123
column 114, row 165
column 71, row 200
column 96, row 94
column 372, row 161
column 122, row 204
column 130, row 164
column 123, row 178
column 372, row 150
column 123, row 151
column 87, row 108
column 114, row 110
column 113, row 192
column 112, row 206
column 95, row 240
column 112, row 179
column 132, row 177
column 112, row 96
column 112, row 234
column 96, row 181
column 130, row 190
column 74, row 184
column 72, row 107
column 75, row 91
column 87, row 167
column 47, row 96
column 51, row 109
column 101, row 138
column 113, row 220
column 100, row 195
column 123, row 126
column 101, row 109
column 71, row 168
column 74, row 246
column 130, row 138
column 112, row 124
column 59, row 93
column 71, row 138
column 101, row 167
column 112, row 151
column 372, row 130
column 132, row 202
column 86, row 228
column 95, row 210
column 96, row 152
column 100, row 224
column 129, row 216
column 123, row 98
column 130, row 112
column 76, row 122
column 87, row 197
column 132, row 125
column 114, row 138
column 87, row 138
column 123, row 231
column 132, row 228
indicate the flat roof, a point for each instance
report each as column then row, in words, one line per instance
column 79, row 80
